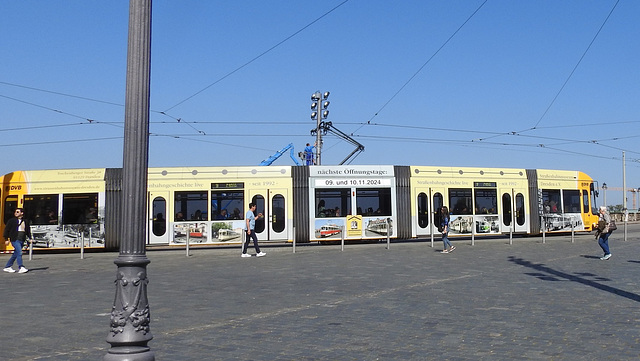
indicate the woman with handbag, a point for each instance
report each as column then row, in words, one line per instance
column 444, row 228
column 603, row 232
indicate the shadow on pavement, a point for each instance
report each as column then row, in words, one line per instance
column 549, row 274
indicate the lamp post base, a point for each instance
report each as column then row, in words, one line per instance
column 130, row 316
column 130, row 353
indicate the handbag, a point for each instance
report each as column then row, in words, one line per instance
column 612, row 226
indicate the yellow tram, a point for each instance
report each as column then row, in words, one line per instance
column 71, row 208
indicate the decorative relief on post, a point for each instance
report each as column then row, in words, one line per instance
column 130, row 304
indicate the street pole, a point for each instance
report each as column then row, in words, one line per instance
column 130, row 316
column 319, row 106
column 625, row 211
column 318, row 138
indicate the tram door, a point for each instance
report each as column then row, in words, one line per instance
column 429, row 202
column 437, row 202
column 423, row 212
column 513, row 211
column 278, row 216
column 158, row 219
column 273, row 226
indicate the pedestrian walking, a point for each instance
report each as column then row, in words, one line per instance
column 250, row 232
column 444, row 228
column 16, row 232
column 604, row 231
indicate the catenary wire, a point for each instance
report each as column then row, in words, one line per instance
column 422, row 66
column 577, row 65
column 570, row 74
column 258, row 56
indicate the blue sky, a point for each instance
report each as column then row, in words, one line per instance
column 497, row 83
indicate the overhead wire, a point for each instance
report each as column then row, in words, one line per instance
column 490, row 145
column 47, row 108
column 59, row 141
column 584, row 53
column 452, row 130
column 422, row 66
column 576, row 66
column 61, row 94
column 258, row 56
column 368, row 123
column 202, row 133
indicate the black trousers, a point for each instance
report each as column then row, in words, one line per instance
column 248, row 237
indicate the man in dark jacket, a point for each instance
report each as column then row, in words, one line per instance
column 17, row 231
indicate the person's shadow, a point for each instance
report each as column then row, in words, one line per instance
column 37, row 269
column 547, row 273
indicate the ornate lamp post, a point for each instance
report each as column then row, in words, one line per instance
column 130, row 318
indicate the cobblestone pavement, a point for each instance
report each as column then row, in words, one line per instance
column 489, row 301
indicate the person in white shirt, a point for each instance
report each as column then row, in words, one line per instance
column 250, row 231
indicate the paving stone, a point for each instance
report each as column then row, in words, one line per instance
column 488, row 301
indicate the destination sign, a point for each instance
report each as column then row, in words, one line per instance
column 236, row 185
column 484, row 184
column 353, row 182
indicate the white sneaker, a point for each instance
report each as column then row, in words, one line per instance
column 245, row 255
column 606, row 256
column 261, row 254
column 9, row 269
column 23, row 270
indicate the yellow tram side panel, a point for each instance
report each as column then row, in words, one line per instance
column 13, row 187
column 188, row 179
column 256, row 180
column 432, row 179
column 565, row 179
column 456, row 177
column 39, row 182
column 357, row 224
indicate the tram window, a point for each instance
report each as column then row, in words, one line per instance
column 571, row 201
column 486, row 201
column 190, row 206
column 594, row 203
column 227, row 205
column 438, row 202
column 159, row 226
column 506, row 209
column 460, row 201
column 520, row 209
column 278, row 213
column 551, row 201
column 373, row 201
column 258, row 200
column 41, row 209
column 79, row 208
column 585, row 201
column 423, row 210
column 333, row 202
column 10, row 205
